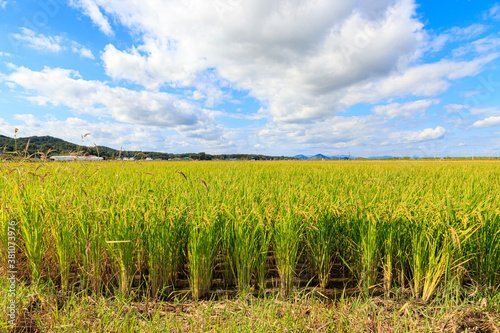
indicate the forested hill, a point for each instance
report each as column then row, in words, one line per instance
column 43, row 144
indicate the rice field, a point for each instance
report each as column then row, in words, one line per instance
column 161, row 228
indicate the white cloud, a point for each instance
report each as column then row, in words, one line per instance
column 418, row 136
column 466, row 33
column 51, row 43
column 5, row 54
column 102, row 133
column 81, row 50
column 327, row 136
column 488, row 122
column 457, row 114
column 489, row 111
column 456, row 34
column 297, row 56
column 115, row 135
column 405, row 110
column 40, row 41
column 306, row 61
column 455, row 107
column 423, row 80
column 91, row 9
column 494, row 12
column 482, row 46
column 3, row 4
column 253, row 116
column 65, row 87
column 470, row 93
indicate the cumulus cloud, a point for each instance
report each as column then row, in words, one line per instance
column 297, row 56
column 101, row 132
column 54, row 44
column 335, row 133
column 404, row 110
column 306, row 61
column 418, row 136
column 58, row 86
column 423, row 80
column 223, row 114
column 487, row 122
column 116, row 135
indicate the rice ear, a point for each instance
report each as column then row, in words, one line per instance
column 97, row 148
column 182, row 173
column 203, row 182
column 26, row 149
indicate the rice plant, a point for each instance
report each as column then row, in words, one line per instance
column 247, row 241
column 287, row 237
column 202, row 247
column 322, row 237
column 115, row 228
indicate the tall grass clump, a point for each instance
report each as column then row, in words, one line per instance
column 203, row 242
column 369, row 251
column 63, row 236
column 323, row 237
column 32, row 232
column 287, row 238
column 246, row 240
column 485, row 243
column 166, row 237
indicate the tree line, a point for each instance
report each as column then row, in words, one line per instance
column 37, row 146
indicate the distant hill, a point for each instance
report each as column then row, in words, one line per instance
column 58, row 146
column 319, row 157
column 323, row 157
column 341, row 157
column 301, row 157
column 45, row 143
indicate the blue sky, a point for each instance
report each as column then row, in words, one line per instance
column 286, row 77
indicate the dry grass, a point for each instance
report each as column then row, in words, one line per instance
column 55, row 312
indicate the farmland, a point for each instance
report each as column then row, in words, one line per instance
column 192, row 230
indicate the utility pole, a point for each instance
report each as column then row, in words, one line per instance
column 434, row 152
column 473, row 153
